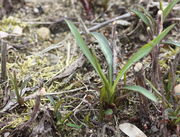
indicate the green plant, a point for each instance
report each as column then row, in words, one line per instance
column 155, row 27
column 149, row 21
column 167, row 82
column 173, row 115
column 61, row 121
column 108, row 90
column 168, row 9
column 17, row 87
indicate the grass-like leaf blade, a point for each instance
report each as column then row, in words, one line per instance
column 143, row 91
column 105, row 48
column 168, row 9
column 84, row 48
column 141, row 16
column 143, row 51
column 74, row 125
column 150, row 19
column 171, row 43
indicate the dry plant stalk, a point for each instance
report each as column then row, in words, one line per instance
column 3, row 61
column 156, row 74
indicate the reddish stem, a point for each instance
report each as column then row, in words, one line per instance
column 88, row 8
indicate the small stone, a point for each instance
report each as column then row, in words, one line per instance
column 18, row 30
column 3, row 34
column 138, row 67
column 177, row 90
column 154, row 129
column 36, row 10
column 46, row 8
column 6, row 134
column 142, row 38
column 160, row 12
column 123, row 22
column 43, row 33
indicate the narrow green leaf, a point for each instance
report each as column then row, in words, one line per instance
column 74, row 125
column 155, row 89
column 158, row 93
column 143, row 51
column 100, row 72
column 151, row 20
column 143, row 91
column 81, row 43
column 177, row 111
column 52, row 101
column 171, row 43
column 15, row 85
column 141, row 16
column 84, row 48
column 105, row 47
column 66, row 117
column 168, row 9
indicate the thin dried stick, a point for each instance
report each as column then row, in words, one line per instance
column 3, row 61
column 100, row 25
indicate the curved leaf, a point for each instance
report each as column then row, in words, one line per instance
column 141, row 16
column 150, row 19
column 143, row 91
column 143, row 51
column 84, row 48
column 172, row 43
column 168, row 9
column 105, row 48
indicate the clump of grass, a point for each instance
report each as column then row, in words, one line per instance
column 108, row 91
